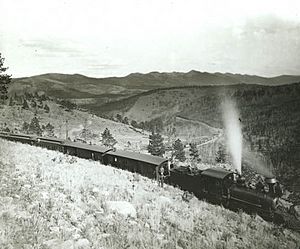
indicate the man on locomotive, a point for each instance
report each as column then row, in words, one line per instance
column 241, row 181
column 275, row 190
column 259, row 186
column 270, row 186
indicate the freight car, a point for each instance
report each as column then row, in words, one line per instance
column 146, row 165
column 23, row 138
column 49, row 143
column 86, row 151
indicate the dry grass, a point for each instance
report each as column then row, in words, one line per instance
column 14, row 116
column 51, row 200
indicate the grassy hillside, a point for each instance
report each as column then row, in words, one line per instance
column 199, row 103
column 78, row 123
column 50, row 200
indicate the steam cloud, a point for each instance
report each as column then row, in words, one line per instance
column 233, row 133
column 234, row 141
column 257, row 162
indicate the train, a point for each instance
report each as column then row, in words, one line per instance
column 143, row 164
column 229, row 189
column 216, row 185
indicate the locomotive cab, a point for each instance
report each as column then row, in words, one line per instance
column 216, row 183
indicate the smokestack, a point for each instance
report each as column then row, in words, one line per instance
column 270, row 180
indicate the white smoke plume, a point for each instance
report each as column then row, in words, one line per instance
column 257, row 162
column 233, row 132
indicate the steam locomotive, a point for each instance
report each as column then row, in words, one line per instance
column 228, row 188
column 216, row 185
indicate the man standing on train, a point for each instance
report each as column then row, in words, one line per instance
column 161, row 176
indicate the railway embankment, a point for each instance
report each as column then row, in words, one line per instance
column 51, row 200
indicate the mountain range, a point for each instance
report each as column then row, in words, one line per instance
column 83, row 89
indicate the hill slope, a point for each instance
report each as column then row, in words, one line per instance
column 50, row 200
column 258, row 105
column 79, row 124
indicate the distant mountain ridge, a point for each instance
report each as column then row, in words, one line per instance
column 80, row 86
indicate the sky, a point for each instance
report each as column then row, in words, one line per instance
column 102, row 38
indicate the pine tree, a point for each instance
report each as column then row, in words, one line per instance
column 33, row 104
column 125, row 120
column 142, row 125
column 49, row 130
column 107, row 138
column 134, row 123
column 221, row 155
column 40, row 104
column 119, row 118
column 34, row 127
column 25, row 127
column 25, row 105
column 36, row 95
column 156, row 146
column 194, row 153
column 43, row 97
column 28, row 96
column 18, row 99
column 179, row 150
column 46, row 108
column 5, row 80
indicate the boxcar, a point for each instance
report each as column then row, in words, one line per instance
column 146, row 165
column 23, row 138
column 50, row 143
column 86, row 151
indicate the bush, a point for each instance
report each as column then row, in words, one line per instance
column 221, row 155
column 179, row 150
column 34, row 127
column 194, row 153
column 156, row 146
column 107, row 138
column 46, row 108
column 25, row 105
